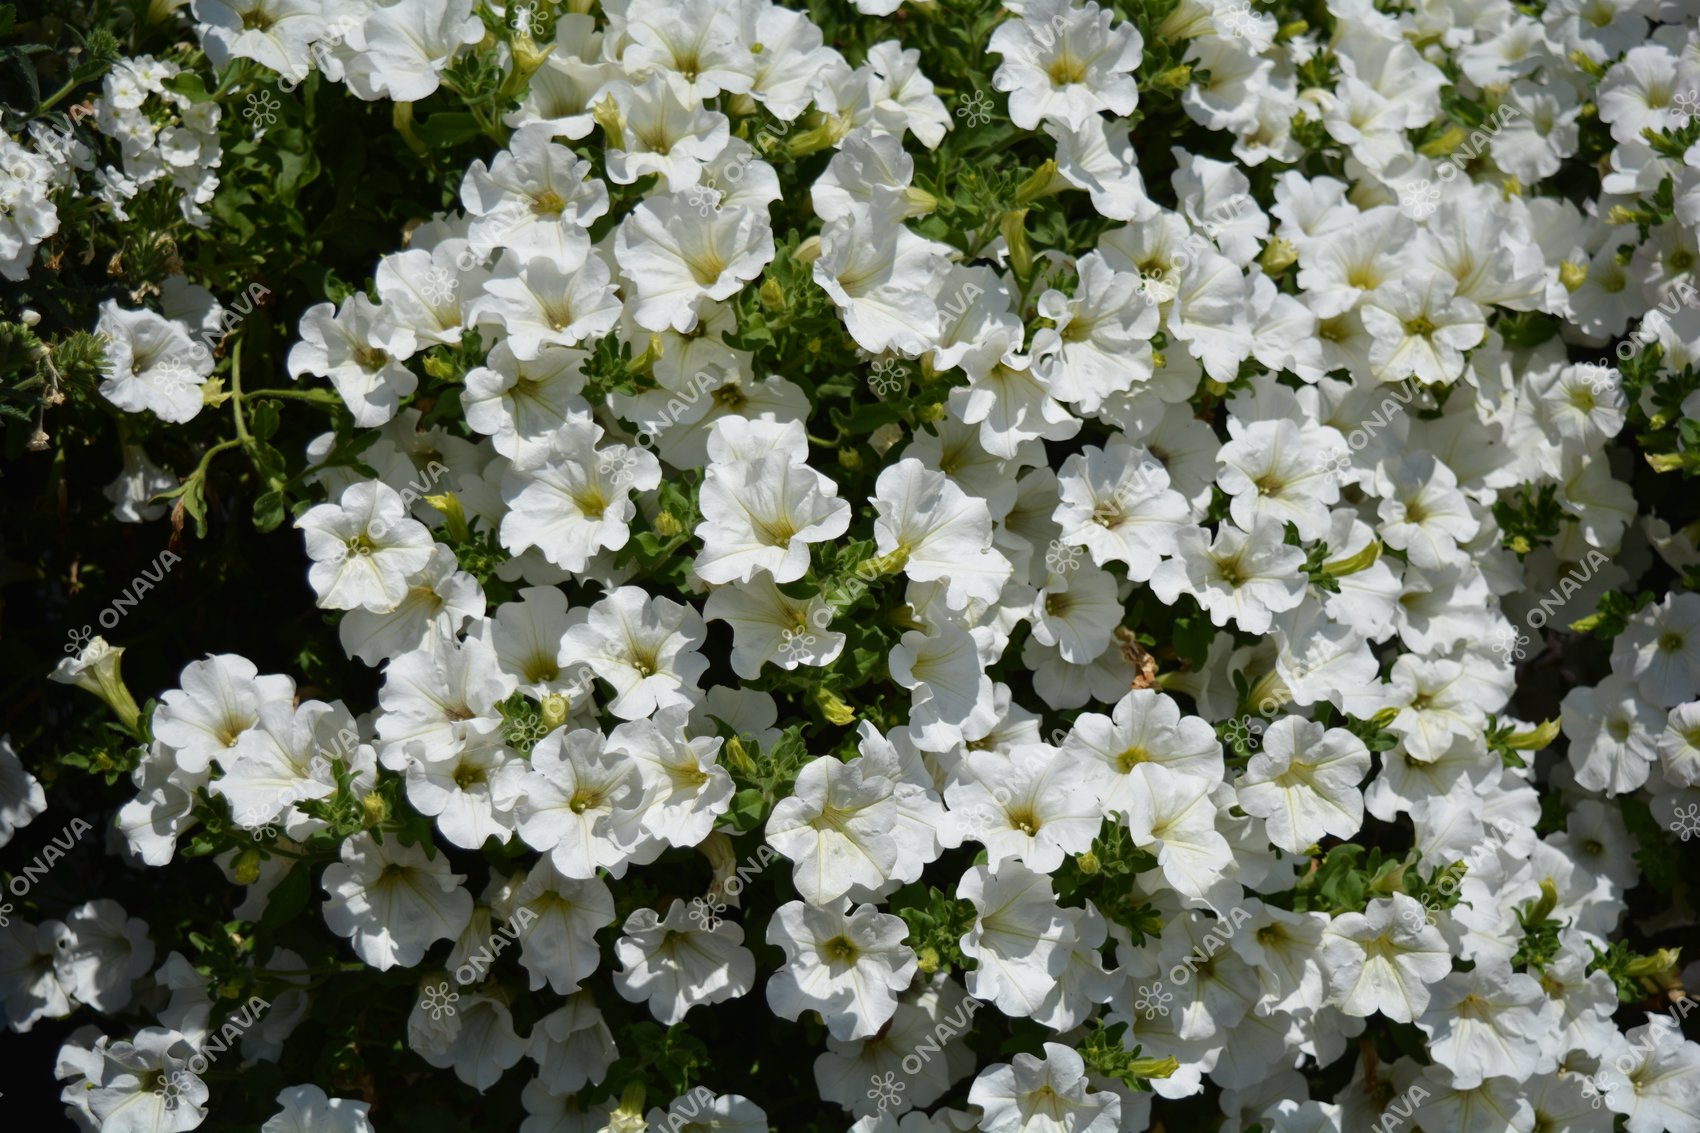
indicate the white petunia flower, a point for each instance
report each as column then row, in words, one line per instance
column 365, row 549
column 1240, row 576
column 684, row 788
column 762, row 514
column 580, row 804
column 307, row 1109
column 408, row 46
column 393, row 901
column 1021, row 940
column 576, row 500
column 675, row 257
column 536, row 197
column 21, row 796
column 937, row 531
column 151, row 363
column 847, row 964
column 674, row 963
column 836, row 827
column 1384, row 959
column 1304, row 783
column 645, row 647
column 1066, row 64
column 1044, row 1095
column 339, row 343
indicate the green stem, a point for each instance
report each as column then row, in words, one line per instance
column 238, row 71
column 70, row 85
column 236, row 394
column 402, row 117
column 206, row 459
column 318, row 396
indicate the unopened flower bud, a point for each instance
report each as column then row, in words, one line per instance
column 1535, row 739
column 738, row 756
column 1174, row 79
column 1153, row 1067
column 825, row 136
column 613, row 123
column 833, row 708
column 441, row 367
column 1279, row 255
column 918, row 202
column 454, row 516
column 1013, row 227
column 1445, row 143
column 246, row 869
column 1044, row 181
column 373, row 810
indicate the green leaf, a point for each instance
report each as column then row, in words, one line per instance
column 289, row 899
column 447, row 129
column 264, row 421
column 269, row 511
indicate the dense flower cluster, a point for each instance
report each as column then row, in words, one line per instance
column 1118, row 639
